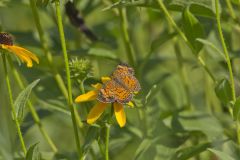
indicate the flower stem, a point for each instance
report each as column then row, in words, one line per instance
column 12, row 104
column 228, row 61
column 65, row 55
column 182, row 72
column 31, row 107
column 172, row 22
column 231, row 11
column 125, row 35
column 107, row 141
column 58, row 78
column 225, row 50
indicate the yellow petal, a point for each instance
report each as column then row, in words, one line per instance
column 130, row 103
column 30, row 54
column 120, row 114
column 23, row 54
column 105, row 79
column 97, row 86
column 96, row 112
column 89, row 96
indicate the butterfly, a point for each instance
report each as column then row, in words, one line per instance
column 121, row 87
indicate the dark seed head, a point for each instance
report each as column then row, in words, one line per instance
column 6, row 38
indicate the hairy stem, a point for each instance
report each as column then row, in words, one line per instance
column 12, row 104
column 69, row 86
column 126, row 39
column 228, row 61
column 58, row 78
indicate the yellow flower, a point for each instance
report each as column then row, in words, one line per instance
column 6, row 42
column 99, row 108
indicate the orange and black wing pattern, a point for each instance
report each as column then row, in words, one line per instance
column 121, row 86
column 114, row 92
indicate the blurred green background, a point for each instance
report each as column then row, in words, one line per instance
column 177, row 113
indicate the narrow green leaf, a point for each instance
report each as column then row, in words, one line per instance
column 221, row 155
column 223, row 91
column 189, row 152
column 236, row 109
column 162, row 38
column 210, row 44
column 22, row 99
column 102, row 53
column 144, row 146
column 192, row 29
column 32, row 153
column 197, row 7
column 91, row 136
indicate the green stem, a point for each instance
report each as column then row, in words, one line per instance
column 107, row 141
column 126, row 39
column 65, row 55
column 228, row 62
column 230, row 8
column 12, row 104
column 183, row 74
column 172, row 22
column 48, row 55
column 31, row 107
column 225, row 50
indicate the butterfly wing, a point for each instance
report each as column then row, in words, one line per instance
column 114, row 92
column 125, row 76
column 130, row 82
column 106, row 94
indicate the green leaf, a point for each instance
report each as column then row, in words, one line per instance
column 192, row 29
column 210, row 44
column 42, row 3
column 236, row 109
column 189, row 152
column 162, row 38
column 144, row 146
column 221, row 155
column 198, row 7
column 91, row 136
column 22, row 99
column 32, row 153
column 223, row 91
column 102, row 53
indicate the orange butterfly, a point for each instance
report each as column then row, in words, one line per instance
column 121, row 87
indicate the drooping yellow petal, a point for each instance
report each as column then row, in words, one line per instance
column 105, row 79
column 89, row 96
column 23, row 54
column 96, row 112
column 30, row 54
column 130, row 103
column 120, row 114
column 97, row 86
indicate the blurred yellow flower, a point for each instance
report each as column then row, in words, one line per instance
column 6, row 42
column 99, row 108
